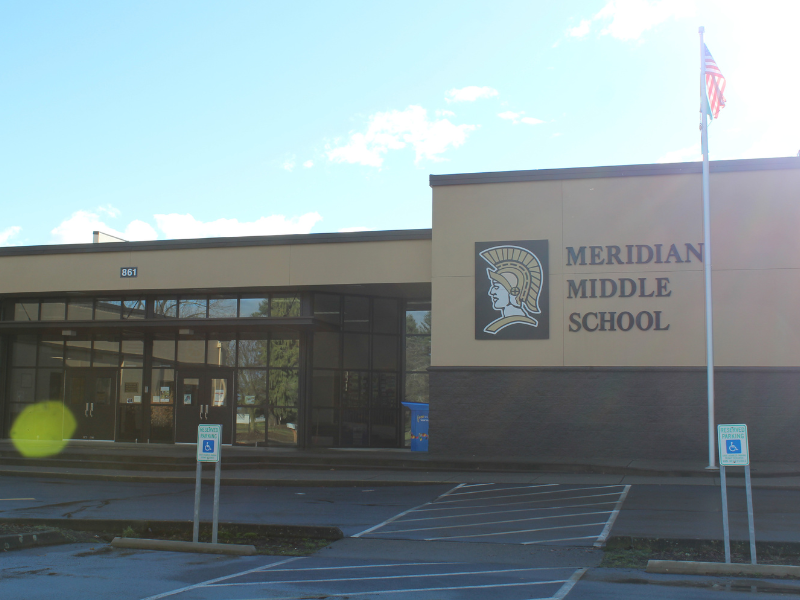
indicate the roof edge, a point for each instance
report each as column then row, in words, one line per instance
column 715, row 166
column 224, row 242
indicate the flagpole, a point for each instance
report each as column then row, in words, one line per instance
column 707, row 258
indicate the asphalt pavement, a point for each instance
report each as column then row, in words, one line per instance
column 352, row 509
column 509, row 540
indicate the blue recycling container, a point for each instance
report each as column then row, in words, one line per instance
column 419, row 426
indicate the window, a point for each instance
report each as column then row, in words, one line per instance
column 354, row 399
column 417, row 357
column 221, row 307
column 53, row 310
column 108, row 309
column 26, row 310
column 254, row 306
column 166, row 308
column 192, row 308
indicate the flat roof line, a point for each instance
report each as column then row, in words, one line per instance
column 224, row 242
column 716, row 166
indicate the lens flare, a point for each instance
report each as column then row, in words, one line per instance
column 42, row 429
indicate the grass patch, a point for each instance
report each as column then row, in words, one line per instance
column 633, row 553
column 264, row 542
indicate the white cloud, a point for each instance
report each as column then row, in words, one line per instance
column 581, row 30
column 510, row 115
column 109, row 210
column 516, row 118
column 288, row 164
column 396, row 129
column 308, row 164
column 629, row 19
column 470, row 93
column 688, row 154
column 445, row 113
column 7, row 234
column 352, row 229
column 79, row 227
column 175, row 226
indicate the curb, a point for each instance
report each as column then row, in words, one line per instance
column 678, row 567
column 18, row 541
column 223, row 481
column 174, row 546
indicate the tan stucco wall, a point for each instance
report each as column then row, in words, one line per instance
column 407, row 261
column 756, row 267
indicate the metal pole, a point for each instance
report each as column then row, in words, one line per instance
column 725, row 531
column 750, row 524
column 197, row 478
column 215, row 519
column 707, row 256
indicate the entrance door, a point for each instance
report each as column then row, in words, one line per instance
column 204, row 398
column 91, row 396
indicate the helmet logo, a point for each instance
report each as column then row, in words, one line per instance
column 514, row 288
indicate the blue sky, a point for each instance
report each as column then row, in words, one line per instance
column 196, row 119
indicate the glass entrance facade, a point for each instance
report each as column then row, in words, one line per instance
column 295, row 369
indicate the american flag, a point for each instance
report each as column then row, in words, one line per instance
column 715, row 85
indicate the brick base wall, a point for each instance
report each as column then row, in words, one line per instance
column 579, row 413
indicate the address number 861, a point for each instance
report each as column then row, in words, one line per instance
column 128, row 272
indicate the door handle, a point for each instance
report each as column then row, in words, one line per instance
column 91, row 409
column 206, row 412
column 86, row 410
column 201, row 411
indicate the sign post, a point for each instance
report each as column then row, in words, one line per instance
column 208, row 450
column 734, row 451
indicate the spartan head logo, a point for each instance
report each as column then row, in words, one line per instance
column 515, row 279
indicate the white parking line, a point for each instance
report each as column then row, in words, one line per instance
column 383, row 577
column 419, row 564
column 567, row 587
column 466, row 525
column 569, row 539
column 531, row 494
column 394, row 518
column 513, row 510
column 211, row 581
column 601, row 540
column 437, row 589
column 453, row 537
column 515, row 503
column 521, row 487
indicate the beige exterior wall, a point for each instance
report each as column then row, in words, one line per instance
column 756, row 267
column 407, row 261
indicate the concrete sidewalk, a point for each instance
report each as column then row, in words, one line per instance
column 247, row 465
column 382, row 477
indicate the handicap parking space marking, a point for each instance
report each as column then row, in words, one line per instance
column 325, row 577
column 503, row 513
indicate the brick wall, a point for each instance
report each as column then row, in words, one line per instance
column 609, row 413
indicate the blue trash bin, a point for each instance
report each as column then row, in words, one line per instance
column 419, row 426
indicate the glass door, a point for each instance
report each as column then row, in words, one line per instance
column 204, row 397
column 189, row 406
column 91, row 396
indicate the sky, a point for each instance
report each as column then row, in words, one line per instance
column 167, row 120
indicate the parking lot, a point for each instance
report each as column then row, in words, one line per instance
column 511, row 514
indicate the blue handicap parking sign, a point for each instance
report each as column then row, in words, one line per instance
column 208, row 446
column 733, row 446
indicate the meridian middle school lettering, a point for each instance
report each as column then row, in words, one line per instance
column 635, row 254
